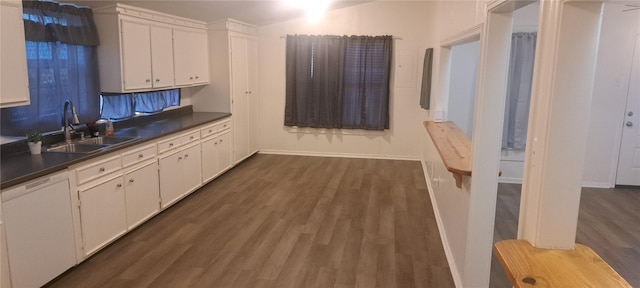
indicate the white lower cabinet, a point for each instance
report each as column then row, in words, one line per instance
column 103, row 213
column 142, row 191
column 102, row 200
column 180, row 173
column 216, row 155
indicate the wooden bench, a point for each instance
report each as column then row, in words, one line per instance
column 528, row 266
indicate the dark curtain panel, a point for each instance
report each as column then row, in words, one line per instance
column 425, row 92
column 516, row 118
column 61, row 65
column 338, row 81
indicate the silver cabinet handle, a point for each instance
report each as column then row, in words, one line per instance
column 119, row 185
column 170, row 144
column 101, row 169
column 131, row 180
column 629, row 124
column 140, row 155
column 630, row 113
column 179, row 158
column 157, row 80
column 186, row 156
column 148, row 80
column 191, row 138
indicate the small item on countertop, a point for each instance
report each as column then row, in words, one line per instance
column 94, row 129
column 109, row 131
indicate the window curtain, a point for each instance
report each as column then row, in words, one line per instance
column 123, row 106
column 425, row 92
column 521, row 62
column 338, row 81
column 62, row 63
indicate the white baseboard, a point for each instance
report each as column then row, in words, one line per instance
column 510, row 180
column 596, row 185
column 443, row 237
column 341, row 155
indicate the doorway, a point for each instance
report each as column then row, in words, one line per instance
column 628, row 172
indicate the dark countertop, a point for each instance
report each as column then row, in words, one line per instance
column 21, row 167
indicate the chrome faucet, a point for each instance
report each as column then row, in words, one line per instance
column 65, row 119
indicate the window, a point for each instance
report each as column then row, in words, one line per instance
column 338, row 81
column 62, row 65
column 123, row 106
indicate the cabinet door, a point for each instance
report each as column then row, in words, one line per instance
column 14, row 84
column 136, row 55
column 181, row 57
column 171, row 182
column 209, row 159
column 240, row 95
column 102, row 213
column 224, row 151
column 200, row 57
column 192, row 168
column 161, row 56
column 142, row 194
column 252, row 100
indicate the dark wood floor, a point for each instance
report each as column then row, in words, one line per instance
column 285, row 221
column 608, row 222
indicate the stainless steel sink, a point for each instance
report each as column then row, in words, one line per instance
column 77, row 148
column 90, row 145
column 107, row 140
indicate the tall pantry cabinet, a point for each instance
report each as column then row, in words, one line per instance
column 233, row 52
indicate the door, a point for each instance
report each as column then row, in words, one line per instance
column 182, row 57
column 192, row 168
column 136, row 55
column 240, row 92
column 252, row 100
column 209, row 159
column 142, row 194
column 162, row 56
column 224, row 151
column 103, row 214
column 629, row 159
column 171, row 182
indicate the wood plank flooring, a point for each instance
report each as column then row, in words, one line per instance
column 608, row 222
column 285, row 221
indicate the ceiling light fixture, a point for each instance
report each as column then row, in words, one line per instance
column 314, row 9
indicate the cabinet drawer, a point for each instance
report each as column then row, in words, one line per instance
column 208, row 131
column 99, row 169
column 168, row 144
column 225, row 125
column 138, row 155
column 190, row 137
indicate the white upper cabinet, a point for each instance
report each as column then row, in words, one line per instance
column 136, row 55
column 190, row 57
column 14, row 83
column 147, row 51
column 144, row 50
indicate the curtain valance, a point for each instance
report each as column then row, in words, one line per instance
column 66, row 23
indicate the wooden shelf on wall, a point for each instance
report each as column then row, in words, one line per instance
column 528, row 266
column 453, row 146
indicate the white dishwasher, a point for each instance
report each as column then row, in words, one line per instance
column 39, row 230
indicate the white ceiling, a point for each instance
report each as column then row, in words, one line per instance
column 260, row 12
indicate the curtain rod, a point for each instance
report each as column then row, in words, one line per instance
column 392, row 37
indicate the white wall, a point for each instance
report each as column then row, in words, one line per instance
column 609, row 95
column 462, row 91
column 414, row 22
